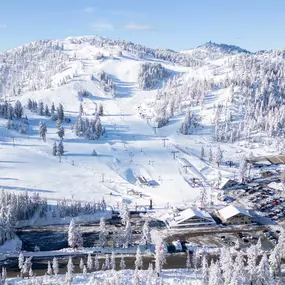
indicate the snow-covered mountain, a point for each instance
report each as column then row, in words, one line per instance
column 137, row 107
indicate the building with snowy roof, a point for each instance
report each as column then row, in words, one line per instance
column 234, row 215
column 190, row 218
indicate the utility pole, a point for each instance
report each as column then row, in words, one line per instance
column 102, row 176
column 174, row 153
column 164, row 142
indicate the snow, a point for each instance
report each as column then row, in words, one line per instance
column 131, row 148
column 231, row 211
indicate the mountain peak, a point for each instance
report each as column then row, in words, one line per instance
column 224, row 47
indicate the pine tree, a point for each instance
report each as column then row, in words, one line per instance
column 60, row 148
column 202, row 155
column 159, row 255
column 54, row 149
column 275, row 262
column 215, row 275
column 219, row 156
column 60, row 112
column 205, row 271
column 52, row 109
column 263, row 271
column 113, row 261
column 107, row 262
column 30, row 104
column 41, row 108
column 136, row 279
column 96, row 263
column 70, row 270
column 252, row 255
column 60, row 132
column 138, row 261
column 210, row 156
column 188, row 264
column 21, row 260
column 89, row 262
column 31, row 273
column 18, row 110
column 55, row 267
column 236, row 272
column 242, row 170
column 84, row 270
column 102, row 232
column 81, row 111
column 94, row 153
column 146, row 235
column 122, row 263
column 43, row 130
column 81, row 264
column 128, row 235
column 101, row 111
column 49, row 269
column 47, row 112
column 4, row 274
column 74, row 236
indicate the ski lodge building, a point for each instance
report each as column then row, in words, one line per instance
column 190, row 218
column 234, row 215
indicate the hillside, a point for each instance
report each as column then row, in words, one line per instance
column 155, row 103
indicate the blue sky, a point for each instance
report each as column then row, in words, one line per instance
column 181, row 24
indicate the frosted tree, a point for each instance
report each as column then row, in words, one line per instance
column 60, row 132
column 113, row 261
column 263, row 271
column 159, row 255
column 21, row 260
column 122, row 263
column 47, row 112
column 124, row 213
column 74, row 236
column 210, row 155
column 196, row 259
column 128, row 236
column 146, row 235
column 52, row 109
column 70, row 270
column 100, row 111
column 259, row 247
column 89, row 262
column 252, row 255
column 81, row 264
column 281, row 243
column 54, row 149
column 60, row 112
column 43, row 130
column 107, row 262
column 31, row 273
column 215, row 275
column 102, row 232
column 41, row 108
column 242, row 170
column 275, row 262
column 236, row 272
column 136, row 279
column 202, row 154
column 188, row 263
column 18, row 110
column 219, row 156
column 55, row 267
column 205, row 270
column 139, row 260
column 4, row 274
column 81, row 111
column 84, row 270
column 60, row 149
column 96, row 263
column 49, row 269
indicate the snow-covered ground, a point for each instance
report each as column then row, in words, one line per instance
column 131, row 147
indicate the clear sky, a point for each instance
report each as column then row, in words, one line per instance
column 181, row 24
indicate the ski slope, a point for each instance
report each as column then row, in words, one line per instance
column 131, row 147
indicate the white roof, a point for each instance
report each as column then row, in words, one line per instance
column 190, row 213
column 231, row 211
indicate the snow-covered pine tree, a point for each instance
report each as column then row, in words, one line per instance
column 47, row 112
column 205, row 270
column 219, row 156
column 275, row 262
column 159, row 255
column 60, row 132
column 101, row 110
column 21, row 260
column 188, row 264
column 252, row 255
column 52, row 109
column 60, row 148
column 263, row 271
column 122, row 263
column 113, row 261
column 146, row 235
column 70, row 270
column 128, row 236
column 81, row 264
column 215, row 275
column 84, row 270
column 55, row 267
column 242, row 170
column 49, row 269
column 43, row 130
column 54, row 149
column 60, row 112
column 96, row 263
column 202, row 154
column 74, row 236
column 102, row 232
column 94, row 153
column 139, row 260
column 41, row 108
column 107, row 262
column 210, row 156
column 18, row 110
column 89, row 262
